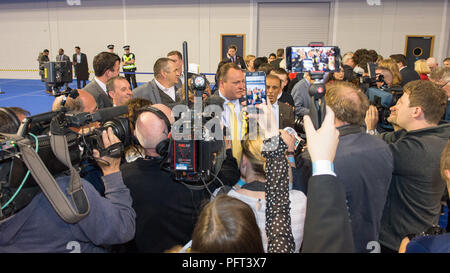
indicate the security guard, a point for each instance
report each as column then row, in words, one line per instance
column 128, row 65
column 110, row 48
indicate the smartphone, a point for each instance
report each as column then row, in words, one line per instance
column 371, row 67
column 313, row 58
column 255, row 88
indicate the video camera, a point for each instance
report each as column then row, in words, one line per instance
column 56, row 74
column 14, row 193
column 195, row 152
column 383, row 99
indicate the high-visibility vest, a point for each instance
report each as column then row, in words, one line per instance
column 128, row 58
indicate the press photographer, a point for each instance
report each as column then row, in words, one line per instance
column 39, row 225
column 382, row 98
column 167, row 209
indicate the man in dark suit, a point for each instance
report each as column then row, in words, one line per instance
column 106, row 66
column 162, row 88
column 284, row 114
column 81, row 66
column 63, row 58
column 233, row 58
column 408, row 74
column 327, row 224
column 178, row 59
column 360, row 160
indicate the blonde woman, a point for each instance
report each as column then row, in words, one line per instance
column 392, row 66
column 249, row 59
column 421, row 67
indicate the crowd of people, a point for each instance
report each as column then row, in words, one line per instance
column 355, row 186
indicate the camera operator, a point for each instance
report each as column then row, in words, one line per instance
column 85, row 102
column 167, row 210
column 413, row 202
column 111, row 220
column 372, row 114
column 43, row 59
column 387, row 76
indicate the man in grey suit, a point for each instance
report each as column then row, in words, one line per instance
column 63, row 58
column 161, row 90
column 106, row 66
column 178, row 59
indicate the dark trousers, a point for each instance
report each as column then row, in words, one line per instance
column 79, row 83
column 131, row 78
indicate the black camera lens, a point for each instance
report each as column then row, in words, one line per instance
column 120, row 128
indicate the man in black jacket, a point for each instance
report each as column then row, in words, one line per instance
column 166, row 210
column 348, row 64
column 413, row 201
column 408, row 74
column 363, row 163
column 81, row 66
column 327, row 224
column 232, row 57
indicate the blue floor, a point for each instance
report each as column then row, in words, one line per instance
column 28, row 94
column 444, row 218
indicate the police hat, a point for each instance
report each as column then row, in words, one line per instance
column 110, row 46
column 127, row 47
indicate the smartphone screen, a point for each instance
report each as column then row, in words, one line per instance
column 312, row 58
column 255, row 87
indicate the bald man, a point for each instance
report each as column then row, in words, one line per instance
column 167, row 209
column 150, row 131
column 432, row 63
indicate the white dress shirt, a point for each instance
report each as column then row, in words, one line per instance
column 169, row 91
column 276, row 112
column 78, row 58
column 226, row 113
column 101, row 84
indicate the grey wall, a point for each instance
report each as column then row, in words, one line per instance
column 153, row 28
